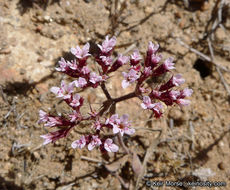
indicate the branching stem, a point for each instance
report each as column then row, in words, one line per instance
column 125, row 97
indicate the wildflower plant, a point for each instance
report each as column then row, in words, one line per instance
column 139, row 71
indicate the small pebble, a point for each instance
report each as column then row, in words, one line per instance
column 220, row 34
column 221, row 166
column 36, row 155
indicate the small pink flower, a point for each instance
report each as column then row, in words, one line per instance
column 135, row 57
column 145, row 74
column 108, row 44
column 53, row 121
column 122, row 126
column 177, row 80
column 157, row 107
column 174, row 94
column 43, row 116
column 76, row 100
column 53, row 136
column 112, row 120
column 125, row 120
column 107, row 60
column 183, row 102
column 168, row 64
column 85, row 70
column 182, row 94
column 147, row 71
column 174, row 81
column 73, row 64
column 81, row 53
column 97, row 125
column 94, row 78
column 63, row 65
column 165, row 67
column 47, row 138
column 152, row 48
column 155, row 59
column 79, row 143
column 64, row 91
column 130, row 77
column 147, row 103
column 125, row 84
column 144, row 90
column 186, row 92
column 80, row 83
column 76, row 115
column 168, row 97
column 95, row 141
column 122, row 60
column 109, row 146
column 155, row 94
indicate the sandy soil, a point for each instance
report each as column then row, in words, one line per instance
column 195, row 141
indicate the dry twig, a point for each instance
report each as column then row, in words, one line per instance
column 218, row 69
column 202, row 55
column 94, row 160
column 148, row 155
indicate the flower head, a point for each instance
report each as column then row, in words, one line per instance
column 138, row 73
column 176, row 80
column 76, row 101
column 73, row 64
column 94, row 78
column 95, row 141
column 155, row 59
column 186, row 92
column 97, row 125
column 147, row 71
column 80, row 83
column 107, row 60
column 109, row 146
column 147, row 103
column 53, row 136
column 165, row 67
column 53, row 121
column 47, row 138
column 135, row 58
column 43, row 116
column 130, row 77
column 76, row 115
column 122, row 126
column 168, row 64
column 157, row 107
column 79, row 143
column 81, row 53
column 107, row 45
column 64, row 91
column 183, row 102
column 63, row 65
column 122, row 60
column 174, row 94
column 85, row 70
column 112, row 120
column 152, row 48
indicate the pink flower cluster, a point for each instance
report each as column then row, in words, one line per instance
column 152, row 68
column 137, row 74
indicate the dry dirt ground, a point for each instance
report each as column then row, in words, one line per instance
column 195, row 141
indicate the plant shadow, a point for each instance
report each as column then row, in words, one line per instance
column 24, row 5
